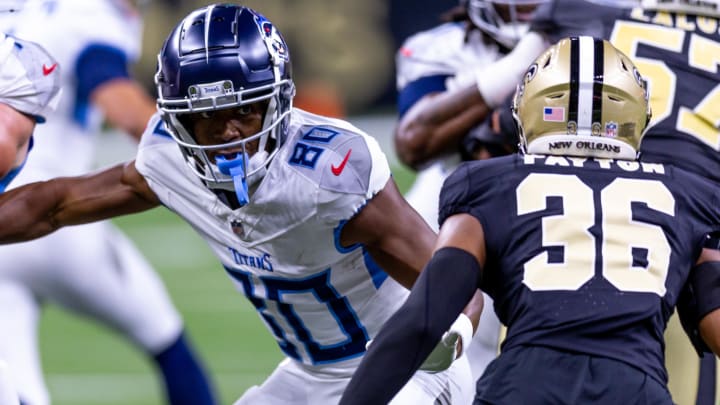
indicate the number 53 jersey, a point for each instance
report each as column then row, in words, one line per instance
column 678, row 55
column 321, row 301
column 583, row 255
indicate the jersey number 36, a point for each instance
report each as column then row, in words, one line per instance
column 620, row 233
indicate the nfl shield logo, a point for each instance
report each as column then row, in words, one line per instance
column 237, row 228
column 611, row 129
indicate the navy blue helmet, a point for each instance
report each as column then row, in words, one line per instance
column 225, row 56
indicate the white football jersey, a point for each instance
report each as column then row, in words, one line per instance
column 443, row 50
column 321, row 301
column 65, row 144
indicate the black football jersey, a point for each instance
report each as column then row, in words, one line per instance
column 585, row 255
column 679, row 56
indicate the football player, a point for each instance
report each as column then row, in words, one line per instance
column 584, row 248
column 673, row 43
column 300, row 209
column 92, row 270
column 28, row 93
column 435, row 116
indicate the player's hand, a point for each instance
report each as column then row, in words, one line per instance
column 450, row 346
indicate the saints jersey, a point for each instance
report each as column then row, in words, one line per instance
column 93, row 42
column 322, row 301
column 678, row 55
column 583, row 255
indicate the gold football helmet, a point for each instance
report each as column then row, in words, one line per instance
column 582, row 97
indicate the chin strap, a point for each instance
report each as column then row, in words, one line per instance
column 235, row 168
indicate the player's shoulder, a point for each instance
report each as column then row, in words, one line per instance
column 697, row 188
column 433, row 41
column 476, row 177
column 334, row 154
column 482, row 171
column 155, row 132
column 155, row 143
column 434, row 51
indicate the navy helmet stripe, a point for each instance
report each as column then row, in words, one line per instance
column 598, row 80
column 574, row 79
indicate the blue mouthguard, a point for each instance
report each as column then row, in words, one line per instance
column 234, row 167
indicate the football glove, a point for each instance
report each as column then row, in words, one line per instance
column 446, row 350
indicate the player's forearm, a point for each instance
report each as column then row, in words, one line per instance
column 710, row 331
column 126, row 105
column 437, row 124
column 37, row 209
column 27, row 212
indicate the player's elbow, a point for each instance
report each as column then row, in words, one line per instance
column 411, row 145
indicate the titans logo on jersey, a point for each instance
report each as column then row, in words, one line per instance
column 593, row 253
column 678, row 55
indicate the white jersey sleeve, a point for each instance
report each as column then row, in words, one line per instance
column 350, row 168
column 445, row 50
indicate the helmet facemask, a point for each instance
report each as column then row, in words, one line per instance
column 485, row 15
column 224, row 57
column 242, row 170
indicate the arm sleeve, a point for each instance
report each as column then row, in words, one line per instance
column 443, row 289
column 698, row 298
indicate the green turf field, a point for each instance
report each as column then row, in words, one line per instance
column 87, row 364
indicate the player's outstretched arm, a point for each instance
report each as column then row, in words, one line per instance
column 37, row 209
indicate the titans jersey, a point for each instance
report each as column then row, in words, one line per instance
column 95, row 47
column 320, row 300
column 679, row 56
column 585, row 255
column 428, row 59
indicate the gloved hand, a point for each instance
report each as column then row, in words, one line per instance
column 446, row 351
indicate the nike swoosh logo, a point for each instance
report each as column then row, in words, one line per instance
column 336, row 170
column 48, row 70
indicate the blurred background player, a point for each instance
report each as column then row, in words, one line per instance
column 439, row 125
column 300, row 209
column 675, row 45
column 91, row 270
column 585, row 250
column 29, row 90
